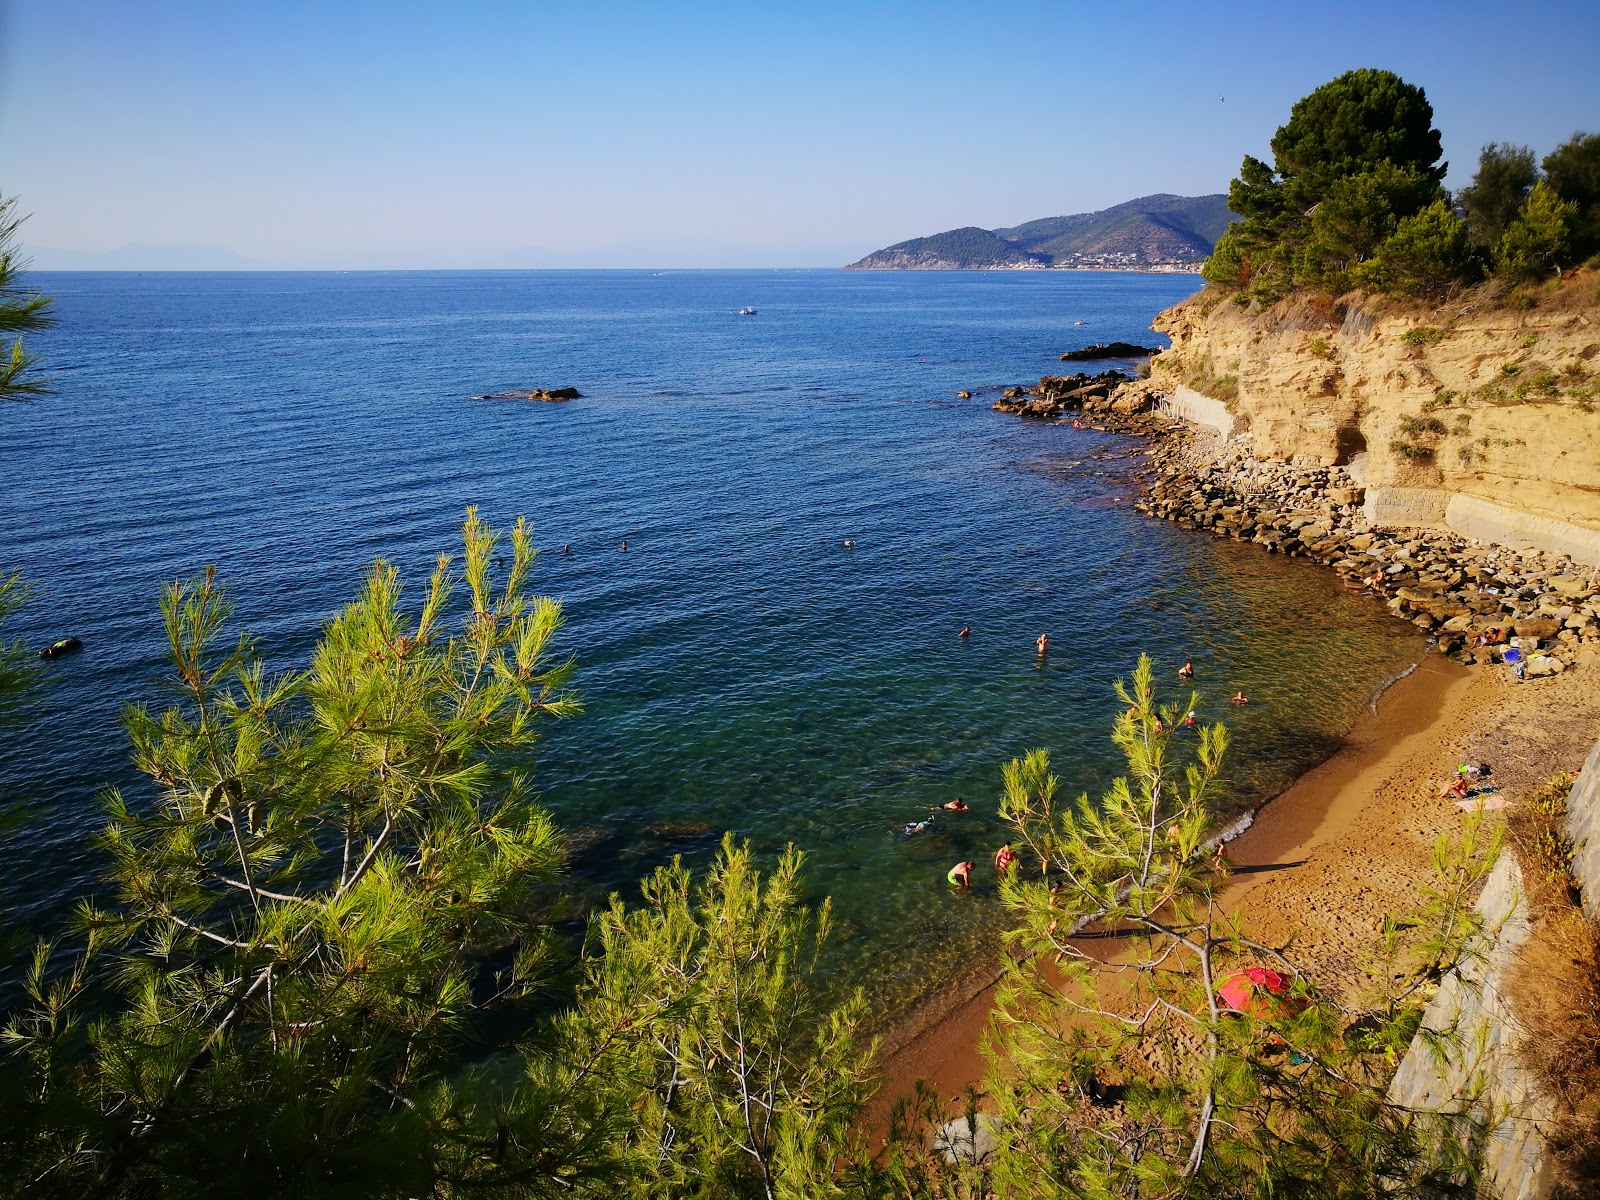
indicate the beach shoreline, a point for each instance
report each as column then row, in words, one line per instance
column 1325, row 860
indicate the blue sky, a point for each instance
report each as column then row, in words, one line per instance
column 368, row 135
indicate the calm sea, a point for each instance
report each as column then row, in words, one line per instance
column 743, row 669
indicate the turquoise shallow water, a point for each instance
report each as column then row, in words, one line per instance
column 742, row 668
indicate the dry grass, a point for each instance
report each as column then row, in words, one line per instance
column 1555, row 988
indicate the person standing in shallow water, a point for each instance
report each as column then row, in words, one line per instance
column 960, row 875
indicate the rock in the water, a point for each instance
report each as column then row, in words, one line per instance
column 1109, row 350
column 545, row 394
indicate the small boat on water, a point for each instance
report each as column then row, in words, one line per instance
column 747, row 312
column 64, row 646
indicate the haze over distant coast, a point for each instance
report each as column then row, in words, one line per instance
column 1160, row 232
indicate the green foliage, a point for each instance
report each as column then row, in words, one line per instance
column 1506, row 174
column 1289, row 1101
column 1356, row 158
column 1422, row 335
column 1425, row 425
column 333, row 888
column 1426, row 255
column 1358, row 214
column 699, row 1013
column 1539, row 241
column 1410, row 450
column 19, row 666
column 1351, row 125
column 1573, row 172
column 22, row 311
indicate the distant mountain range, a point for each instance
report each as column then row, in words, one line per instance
column 1151, row 232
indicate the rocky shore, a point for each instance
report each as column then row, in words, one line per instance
column 1109, row 401
column 1475, row 600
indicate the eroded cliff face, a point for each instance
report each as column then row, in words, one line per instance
column 1474, row 409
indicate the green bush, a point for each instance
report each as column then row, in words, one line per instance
column 1539, row 241
column 1428, row 253
column 1410, row 450
column 1359, row 214
column 1422, row 335
column 1425, row 425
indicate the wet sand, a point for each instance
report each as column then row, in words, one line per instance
column 1347, row 843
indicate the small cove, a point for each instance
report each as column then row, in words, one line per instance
column 742, row 669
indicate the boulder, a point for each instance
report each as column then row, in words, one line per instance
column 1110, row 350
column 1544, row 664
column 1538, row 627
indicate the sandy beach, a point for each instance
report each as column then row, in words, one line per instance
column 1347, row 843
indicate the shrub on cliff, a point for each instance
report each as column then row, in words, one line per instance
column 1539, row 242
column 1426, row 255
column 1358, row 215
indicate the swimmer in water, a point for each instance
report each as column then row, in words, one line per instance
column 1186, row 671
column 917, row 827
column 960, row 875
column 566, row 548
column 624, row 543
column 1043, row 642
column 956, row 805
column 1240, row 698
column 1188, row 719
column 966, row 631
column 849, row 543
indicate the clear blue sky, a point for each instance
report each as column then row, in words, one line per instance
column 589, row 133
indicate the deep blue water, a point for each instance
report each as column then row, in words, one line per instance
column 741, row 667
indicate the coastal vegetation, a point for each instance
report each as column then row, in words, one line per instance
column 1354, row 198
column 22, row 311
column 328, row 963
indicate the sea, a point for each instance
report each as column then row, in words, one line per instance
column 811, row 514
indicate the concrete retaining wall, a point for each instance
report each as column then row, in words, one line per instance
column 1184, row 403
column 1485, row 520
column 1388, row 507
column 1491, row 522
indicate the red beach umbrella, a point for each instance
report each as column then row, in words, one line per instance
column 1252, row 991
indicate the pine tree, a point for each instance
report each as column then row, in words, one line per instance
column 1119, row 1072
column 701, row 1012
column 1539, row 242
column 336, row 880
column 22, row 311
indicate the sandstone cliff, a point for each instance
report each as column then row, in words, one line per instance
column 1480, row 415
